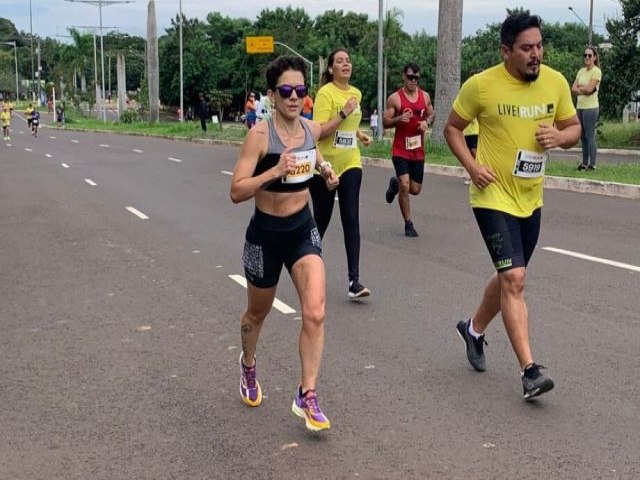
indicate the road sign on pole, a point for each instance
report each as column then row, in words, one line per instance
column 262, row 44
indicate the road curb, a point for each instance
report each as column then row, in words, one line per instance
column 577, row 185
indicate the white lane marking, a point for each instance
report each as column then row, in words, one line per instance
column 48, row 155
column 177, row 160
column 103, row 145
column 138, row 213
column 9, row 145
column 277, row 304
column 64, row 165
column 52, row 138
column 75, row 141
column 137, row 151
column 28, row 150
column 226, row 172
column 90, row 182
column 21, row 132
column 611, row 263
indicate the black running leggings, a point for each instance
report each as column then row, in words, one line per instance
column 349, row 199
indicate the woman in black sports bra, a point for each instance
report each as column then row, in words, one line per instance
column 275, row 167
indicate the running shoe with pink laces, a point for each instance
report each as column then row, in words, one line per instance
column 306, row 406
column 250, row 390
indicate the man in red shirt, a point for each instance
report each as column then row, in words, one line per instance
column 410, row 112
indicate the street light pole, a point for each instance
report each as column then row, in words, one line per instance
column 31, row 35
column 99, row 4
column 15, row 52
column 181, row 71
column 590, row 26
column 380, row 129
column 306, row 60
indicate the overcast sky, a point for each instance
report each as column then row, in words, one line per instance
column 52, row 17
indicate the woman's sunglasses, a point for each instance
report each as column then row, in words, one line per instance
column 286, row 91
column 588, row 55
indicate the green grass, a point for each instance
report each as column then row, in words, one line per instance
column 436, row 154
column 619, row 135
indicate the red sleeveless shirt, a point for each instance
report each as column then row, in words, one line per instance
column 408, row 142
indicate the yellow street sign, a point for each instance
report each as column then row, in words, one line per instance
column 262, row 44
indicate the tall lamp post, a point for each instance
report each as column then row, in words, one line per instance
column 31, row 37
column 99, row 3
column 15, row 51
column 590, row 26
column 306, row 60
column 181, row 71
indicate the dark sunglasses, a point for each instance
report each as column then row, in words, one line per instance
column 286, row 91
column 412, row 78
column 588, row 55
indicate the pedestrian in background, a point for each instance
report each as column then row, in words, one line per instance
column 586, row 87
column 203, row 111
column 373, row 123
column 250, row 111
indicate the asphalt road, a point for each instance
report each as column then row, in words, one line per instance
column 120, row 335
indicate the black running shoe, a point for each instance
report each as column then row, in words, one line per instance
column 392, row 190
column 356, row 290
column 591, row 167
column 409, row 230
column 535, row 383
column 581, row 166
column 475, row 347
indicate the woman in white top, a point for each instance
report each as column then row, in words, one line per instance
column 586, row 88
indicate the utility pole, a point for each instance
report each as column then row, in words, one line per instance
column 181, row 71
column 380, row 130
column 99, row 3
column 590, row 23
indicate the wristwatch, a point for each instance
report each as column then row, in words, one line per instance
column 342, row 114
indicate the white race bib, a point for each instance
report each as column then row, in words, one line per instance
column 411, row 143
column 344, row 139
column 305, row 165
column 530, row 164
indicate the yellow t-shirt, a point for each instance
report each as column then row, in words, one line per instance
column 28, row 111
column 5, row 118
column 341, row 148
column 584, row 77
column 509, row 112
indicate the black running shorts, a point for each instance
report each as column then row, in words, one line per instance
column 271, row 242
column 414, row 168
column 510, row 240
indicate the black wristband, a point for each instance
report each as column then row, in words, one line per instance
column 342, row 114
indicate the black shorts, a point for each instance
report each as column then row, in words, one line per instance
column 510, row 240
column 414, row 168
column 471, row 141
column 271, row 242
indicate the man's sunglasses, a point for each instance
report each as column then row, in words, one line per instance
column 412, row 78
column 588, row 55
column 286, row 91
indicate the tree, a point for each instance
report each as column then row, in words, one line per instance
column 448, row 63
column 153, row 63
column 220, row 99
column 620, row 81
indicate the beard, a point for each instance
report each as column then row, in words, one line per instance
column 531, row 77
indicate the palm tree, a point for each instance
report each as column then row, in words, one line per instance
column 153, row 63
column 448, row 63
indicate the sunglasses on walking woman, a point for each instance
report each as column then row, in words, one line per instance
column 588, row 55
column 286, row 91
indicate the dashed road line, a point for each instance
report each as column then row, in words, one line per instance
column 64, row 165
column 177, row 160
column 277, row 304
column 48, row 155
column 226, row 172
column 75, row 141
column 604, row 261
column 52, row 138
column 90, row 182
column 28, row 150
column 138, row 213
column 103, row 145
column 137, row 150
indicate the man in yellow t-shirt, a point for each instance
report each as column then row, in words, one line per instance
column 523, row 109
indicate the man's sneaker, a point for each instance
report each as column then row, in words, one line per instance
column 582, row 166
column 475, row 347
column 356, row 290
column 306, row 406
column 535, row 383
column 250, row 390
column 409, row 230
column 393, row 189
